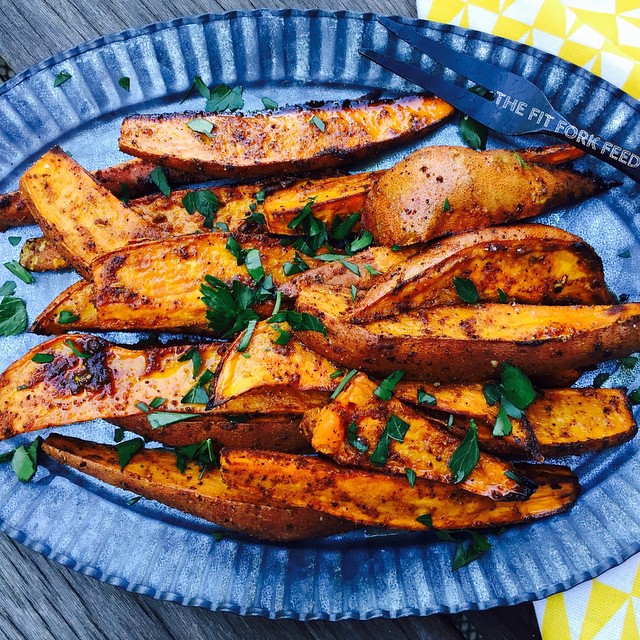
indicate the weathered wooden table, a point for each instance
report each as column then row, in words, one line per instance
column 41, row 600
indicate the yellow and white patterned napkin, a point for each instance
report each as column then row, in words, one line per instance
column 602, row 36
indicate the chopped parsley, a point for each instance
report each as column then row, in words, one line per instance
column 466, row 456
column 127, row 449
column 125, row 83
column 352, row 438
column 61, row 78
column 199, row 394
column 193, row 354
column 66, row 317
column 385, row 389
column 343, row 383
column 42, row 358
column 395, row 429
column 223, row 98
column 19, row 271
column 200, row 125
column 269, row 103
column 159, row 178
column 317, row 123
column 446, row 206
column 466, row 290
column 13, row 311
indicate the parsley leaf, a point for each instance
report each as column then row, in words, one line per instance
column 354, row 292
column 343, row 383
column 352, row 438
column 13, row 316
column 384, row 390
column 446, row 206
column 473, row 133
column 502, row 296
column 66, row 317
column 517, row 387
column 466, row 290
column 411, row 476
column 75, row 350
column 199, row 394
column 24, row 461
column 634, row 396
column 269, row 103
column 193, row 354
column 200, row 125
column 503, row 426
column 158, row 419
column 426, row 398
column 466, row 456
column 426, row 520
column 297, row 266
column 629, row 362
column 317, row 122
column 253, row 263
column 299, row 321
column 159, row 178
column 118, row 435
column 127, row 449
column 19, row 271
column 61, row 78
column 521, row 162
column 372, row 271
column 125, row 83
column 623, row 254
column 395, row 429
column 42, row 358
column 246, row 336
column 14, row 241
column 470, row 552
column 340, row 228
column 8, row 288
column 600, row 379
column 224, row 98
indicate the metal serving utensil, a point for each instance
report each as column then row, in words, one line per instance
column 518, row 106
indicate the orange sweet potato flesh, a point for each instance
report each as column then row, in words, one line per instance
column 77, row 300
column 282, row 142
column 131, row 177
column 290, row 367
column 107, row 384
column 59, row 192
column 467, row 401
column 480, row 189
column 331, row 198
column 468, row 343
column 152, row 473
column 371, row 498
column 156, row 285
column 529, row 263
column 426, row 447
column 40, row 254
column 277, row 432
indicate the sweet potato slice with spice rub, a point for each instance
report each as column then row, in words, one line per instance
column 291, row 140
column 152, row 473
column 372, row 498
column 467, row 343
column 156, row 285
column 529, row 263
column 438, row 191
column 425, row 448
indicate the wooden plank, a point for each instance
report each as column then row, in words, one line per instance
column 33, row 30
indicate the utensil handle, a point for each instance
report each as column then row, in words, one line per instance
column 622, row 159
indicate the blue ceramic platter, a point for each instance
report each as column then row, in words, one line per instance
column 294, row 56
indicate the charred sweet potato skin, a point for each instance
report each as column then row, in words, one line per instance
column 438, row 344
column 371, row 498
column 108, row 383
column 286, row 141
column 152, row 473
column 426, row 449
column 529, row 263
column 482, row 189
column 277, row 432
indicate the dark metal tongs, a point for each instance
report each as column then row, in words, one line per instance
column 517, row 107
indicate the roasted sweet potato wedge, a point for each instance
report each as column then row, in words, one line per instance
column 76, row 309
column 426, row 448
column 152, row 473
column 105, row 381
column 131, row 178
column 291, row 367
column 529, row 263
column 276, row 432
column 167, row 214
column 437, row 191
column 468, row 343
column 372, row 498
column 156, row 285
column 466, row 401
column 291, row 140
column 371, row 263
column 331, row 198
column 79, row 215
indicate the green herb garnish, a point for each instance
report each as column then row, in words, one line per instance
column 352, row 438
column 127, row 449
column 411, row 476
column 224, row 98
column 466, row 456
column 426, row 398
column 76, row 351
column 125, row 83
column 343, row 383
column 199, row 394
column 61, row 78
column 466, row 290
column 204, row 202
column 446, row 206
column 193, row 354
column 19, row 271
column 395, row 429
column 66, row 317
column 269, row 103
column 159, row 178
column 200, row 125
column 317, row 123
column 299, row 321
column 158, row 419
column 384, row 390
column 14, row 241
column 42, row 358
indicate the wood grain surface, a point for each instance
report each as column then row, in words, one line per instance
column 41, row 600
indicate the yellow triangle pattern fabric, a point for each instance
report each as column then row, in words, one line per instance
column 603, row 35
